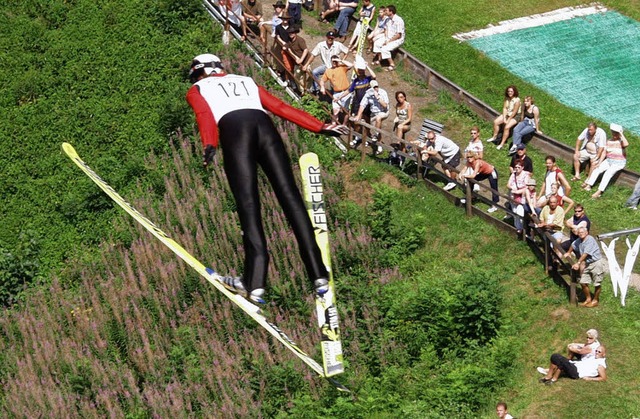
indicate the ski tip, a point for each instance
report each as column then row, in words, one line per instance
column 210, row 271
column 340, row 387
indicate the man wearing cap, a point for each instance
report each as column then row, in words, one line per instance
column 377, row 100
column 231, row 111
column 522, row 158
column 325, row 49
column 337, row 76
column 610, row 162
column 589, row 148
column 590, row 265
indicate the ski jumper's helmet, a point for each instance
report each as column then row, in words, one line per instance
column 204, row 64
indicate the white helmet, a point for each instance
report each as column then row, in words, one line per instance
column 204, row 64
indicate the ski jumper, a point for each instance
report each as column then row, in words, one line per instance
column 230, row 110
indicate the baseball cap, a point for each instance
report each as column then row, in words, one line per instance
column 521, row 146
column 531, row 182
column 331, row 34
column 374, row 83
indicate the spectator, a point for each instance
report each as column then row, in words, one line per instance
column 590, row 265
column 377, row 100
column 232, row 12
column 517, row 185
column 295, row 54
column 237, row 120
column 281, row 39
column 530, row 197
column 508, row 117
column 521, row 156
column 501, row 411
column 552, row 219
column 379, row 31
column 294, row 9
column 592, row 369
column 276, row 20
column 448, row 150
column 479, row 170
column 530, row 123
column 326, row 50
column 562, row 199
column 394, row 37
column 634, row 199
column 475, row 143
column 553, row 175
column 611, row 162
column 330, row 7
column 366, row 15
column 404, row 113
column 584, row 351
column 252, row 14
column 347, row 9
column 337, row 76
column 589, row 148
column 578, row 220
column 358, row 88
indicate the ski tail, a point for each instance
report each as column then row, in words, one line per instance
column 325, row 305
column 209, row 274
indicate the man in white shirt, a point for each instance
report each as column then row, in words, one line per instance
column 325, row 49
column 589, row 147
column 448, row 150
column 393, row 38
column 377, row 99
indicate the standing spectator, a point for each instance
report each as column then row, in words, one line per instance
column 337, row 76
column 521, row 157
column 517, row 185
column 281, row 39
column 611, row 162
column 377, row 100
column 394, row 37
column 530, row 198
column 508, row 117
column 590, row 265
column 589, row 148
column 294, row 9
column 530, row 122
column 294, row 55
column 634, row 199
column 448, row 150
column 593, row 369
column 326, row 50
column 475, row 143
column 552, row 219
column 404, row 113
column 501, row 411
column 367, row 11
column 479, row 170
column 347, row 9
column 553, row 175
column 231, row 110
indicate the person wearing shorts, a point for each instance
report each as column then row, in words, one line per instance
column 590, row 264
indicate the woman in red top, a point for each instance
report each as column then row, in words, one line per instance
column 231, row 110
column 478, row 170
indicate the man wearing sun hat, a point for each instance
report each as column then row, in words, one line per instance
column 325, row 49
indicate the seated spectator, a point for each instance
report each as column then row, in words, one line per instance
column 331, row 7
column 448, row 150
column 475, row 143
column 377, row 100
column 587, row 350
column 529, row 123
column 347, row 9
column 379, row 31
column 589, row 148
column 521, row 156
column 359, row 86
column 252, row 14
column 611, row 162
column 501, row 411
column 337, row 76
column 589, row 265
column 517, row 185
column 552, row 219
column 393, row 39
column 553, row 175
column 404, row 113
column 634, row 199
column 365, row 15
column 326, row 50
column 479, row 170
column 269, row 27
column 562, row 199
column 592, row 369
column 509, row 116
column 231, row 10
column 578, row 220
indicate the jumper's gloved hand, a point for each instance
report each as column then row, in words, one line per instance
column 334, row 130
column 209, row 153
